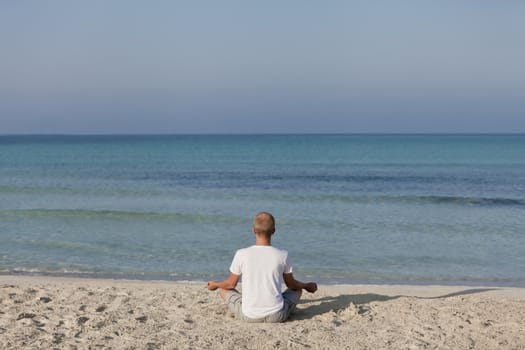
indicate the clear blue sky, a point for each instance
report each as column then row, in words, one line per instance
column 269, row 66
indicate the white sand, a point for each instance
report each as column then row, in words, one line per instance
column 63, row 313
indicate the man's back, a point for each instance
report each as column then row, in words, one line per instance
column 262, row 269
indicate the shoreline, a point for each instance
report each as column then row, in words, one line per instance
column 77, row 313
column 389, row 289
column 324, row 281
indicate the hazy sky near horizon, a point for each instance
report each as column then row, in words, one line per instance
column 261, row 67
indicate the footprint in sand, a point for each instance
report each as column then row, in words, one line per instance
column 142, row 319
column 82, row 320
column 101, row 308
column 45, row 300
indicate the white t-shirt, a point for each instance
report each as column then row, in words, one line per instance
column 262, row 269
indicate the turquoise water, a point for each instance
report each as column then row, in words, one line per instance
column 380, row 208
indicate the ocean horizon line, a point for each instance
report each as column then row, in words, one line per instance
column 276, row 134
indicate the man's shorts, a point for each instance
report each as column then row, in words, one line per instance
column 290, row 297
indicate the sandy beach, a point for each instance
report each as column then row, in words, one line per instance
column 68, row 313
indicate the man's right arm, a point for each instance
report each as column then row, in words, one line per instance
column 294, row 284
column 229, row 283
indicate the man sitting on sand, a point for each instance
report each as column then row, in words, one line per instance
column 263, row 269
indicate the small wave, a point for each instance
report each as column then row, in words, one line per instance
column 458, row 200
column 116, row 215
column 471, row 200
column 99, row 192
column 109, row 274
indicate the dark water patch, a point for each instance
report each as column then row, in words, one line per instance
column 238, row 178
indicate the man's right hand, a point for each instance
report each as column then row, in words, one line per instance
column 212, row 285
column 311, row 287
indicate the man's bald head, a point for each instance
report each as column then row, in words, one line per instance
column 264, row 224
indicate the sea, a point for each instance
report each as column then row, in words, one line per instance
column 414, row 209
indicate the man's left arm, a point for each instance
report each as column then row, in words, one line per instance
column 294, row 284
